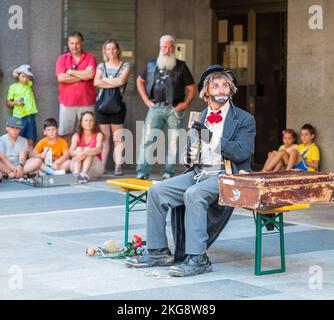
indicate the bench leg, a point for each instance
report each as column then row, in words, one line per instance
column 127, row 214
column 131, row 202
column 258, row 242
column 282, row 244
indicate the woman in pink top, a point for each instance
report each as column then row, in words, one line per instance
column 86, row 149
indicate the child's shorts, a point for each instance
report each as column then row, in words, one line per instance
column 28, row 129
column 301, row 166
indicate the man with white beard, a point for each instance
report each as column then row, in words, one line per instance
column 163, row 86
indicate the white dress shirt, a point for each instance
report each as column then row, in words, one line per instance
column 209, row 157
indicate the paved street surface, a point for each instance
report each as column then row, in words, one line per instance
column 45, row 231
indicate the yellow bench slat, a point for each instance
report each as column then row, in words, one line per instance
column 286, row 208
column 131, row 184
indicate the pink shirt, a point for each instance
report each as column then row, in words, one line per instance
column 80, row 93
column 91, row 144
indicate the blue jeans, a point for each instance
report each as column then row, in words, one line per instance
column 156, row 119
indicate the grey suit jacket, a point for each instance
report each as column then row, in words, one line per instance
column 237, row 145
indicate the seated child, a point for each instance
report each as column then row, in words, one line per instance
column 306, row 157
column 58, row 160
column 86, row 148
column 274, row 163
column 21, row 98
column 14, row 151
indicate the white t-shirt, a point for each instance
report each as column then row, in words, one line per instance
column 12, row 150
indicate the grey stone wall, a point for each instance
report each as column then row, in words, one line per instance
column 38, row 44
column 310, row 92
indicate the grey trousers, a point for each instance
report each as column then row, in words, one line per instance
column 171, row 193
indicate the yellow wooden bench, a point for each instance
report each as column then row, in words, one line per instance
column 131, row 187
column 262, row 219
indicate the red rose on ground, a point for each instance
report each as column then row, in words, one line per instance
column 137, row 241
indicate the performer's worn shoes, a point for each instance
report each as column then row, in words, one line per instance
column 151, row 258
column 194, row 264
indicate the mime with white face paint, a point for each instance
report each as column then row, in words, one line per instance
column 227, row 133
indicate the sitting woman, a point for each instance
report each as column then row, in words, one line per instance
column 275, row 163
column 86, row 149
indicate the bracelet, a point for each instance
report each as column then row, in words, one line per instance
column 22, row 165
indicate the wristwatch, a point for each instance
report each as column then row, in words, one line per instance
column 22, row 165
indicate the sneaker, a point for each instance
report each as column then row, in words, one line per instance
column 59, row 172
column 151, row 258
column 166, row 176
column 32, row 175
column 118, row 170
column 83, row 178
column 142, row 176
column 193, row 265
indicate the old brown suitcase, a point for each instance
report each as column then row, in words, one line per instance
column 266, row 191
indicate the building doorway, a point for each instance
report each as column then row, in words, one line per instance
column 252, row 41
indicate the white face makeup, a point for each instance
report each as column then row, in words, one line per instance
column 219, row 92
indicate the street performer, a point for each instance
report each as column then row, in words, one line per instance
column 227, row 133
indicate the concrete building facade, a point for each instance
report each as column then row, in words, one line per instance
column 38, row 39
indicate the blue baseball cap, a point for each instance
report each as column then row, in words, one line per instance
column 14, row 122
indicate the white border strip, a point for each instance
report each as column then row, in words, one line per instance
column 64, row 211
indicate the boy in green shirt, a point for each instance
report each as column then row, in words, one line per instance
column 21, row 98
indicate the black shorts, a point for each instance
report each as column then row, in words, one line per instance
column 118, row 118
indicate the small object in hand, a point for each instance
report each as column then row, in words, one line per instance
column 22, row 102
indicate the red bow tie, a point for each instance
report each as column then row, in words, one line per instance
column 215, row 117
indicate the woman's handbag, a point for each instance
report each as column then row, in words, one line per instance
column 111, row 100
